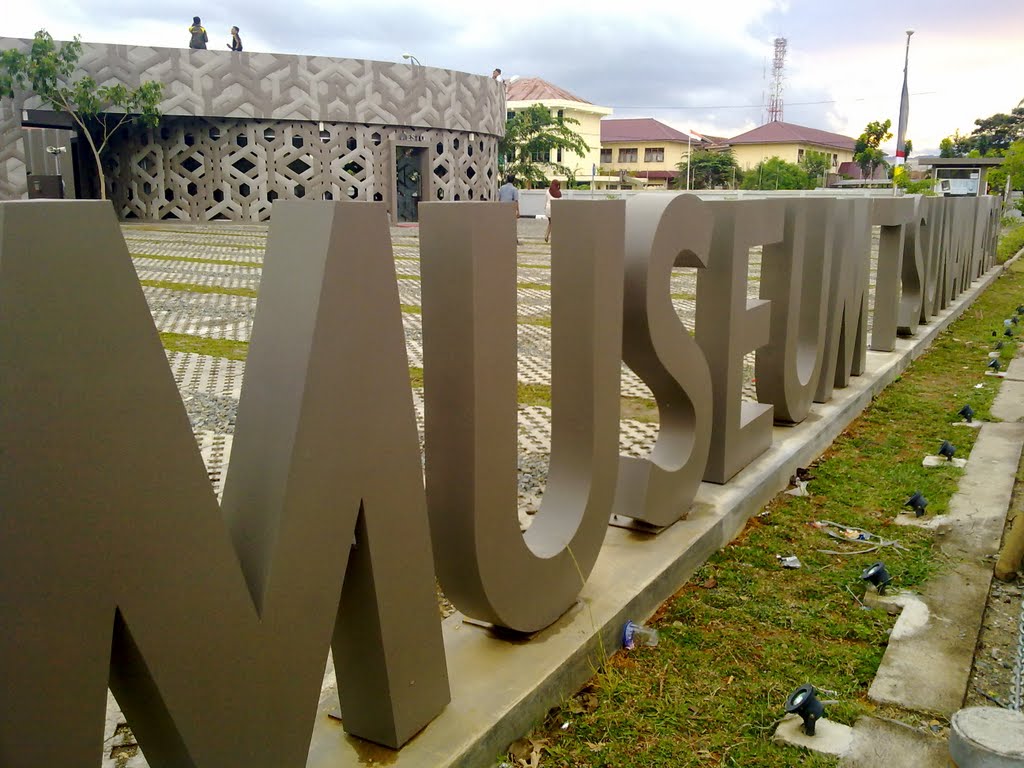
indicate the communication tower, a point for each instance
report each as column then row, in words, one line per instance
column 775, row 88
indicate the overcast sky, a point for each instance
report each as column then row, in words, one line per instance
column 699, row 66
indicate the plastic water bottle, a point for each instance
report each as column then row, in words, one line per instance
column 637, row 635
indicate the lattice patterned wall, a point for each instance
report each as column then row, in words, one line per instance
column 274, row 87
column 202, row 169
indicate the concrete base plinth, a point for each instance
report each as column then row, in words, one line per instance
column 987, row 737
column 829, row 738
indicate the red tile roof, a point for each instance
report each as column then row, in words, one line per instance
column 535, row 89
column 788, row 133
column 640, row 129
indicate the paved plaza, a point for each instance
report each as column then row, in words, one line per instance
column 202, row 280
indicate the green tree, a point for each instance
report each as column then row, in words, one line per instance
column 48, row 71
column 866, row 152
column 996, row 133
column 817, row 164
column 531, row 136
column 776, row 173
column 1013, row 166
column 709, row 170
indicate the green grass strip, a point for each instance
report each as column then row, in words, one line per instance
column 129, row 228
column 168, row 241
column 199, row 260
column 743, row 632
column 1011, row 241
column 194, row 288
column 182, row 342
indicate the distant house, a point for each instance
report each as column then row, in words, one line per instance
column 789, row 142
column 852, row 171
column 645, row 148
column 526, row 92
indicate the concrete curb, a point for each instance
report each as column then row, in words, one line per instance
column 501, row 688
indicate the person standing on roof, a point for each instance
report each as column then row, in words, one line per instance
column 199, row 37
column 236, row 40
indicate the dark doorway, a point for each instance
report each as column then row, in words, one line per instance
column 408, row 182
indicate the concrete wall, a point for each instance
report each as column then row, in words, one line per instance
column 426, row 103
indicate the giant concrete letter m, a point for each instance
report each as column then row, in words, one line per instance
column 210, row 624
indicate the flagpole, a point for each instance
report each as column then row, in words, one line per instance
column 901, row 135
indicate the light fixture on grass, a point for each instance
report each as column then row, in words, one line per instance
column 947, row 450
column 877, row 576
column 917, row 502
column 804, row 702
column 1008, row 333
column 1015, row 320
column 1020, row 309
column 999, row 345
column 994, row 364
column 1007, row 323
column 967, row 412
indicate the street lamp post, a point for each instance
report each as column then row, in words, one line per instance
column 413, row 59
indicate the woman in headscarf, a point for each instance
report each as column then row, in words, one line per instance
column 553, row 193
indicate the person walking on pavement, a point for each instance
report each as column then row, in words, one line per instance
column 507, row 193
column 236, row 41
column 553, row 193
column 199, row 36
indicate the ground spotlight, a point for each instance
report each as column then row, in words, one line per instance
column 967, row 412
column 804, row 702
column 1020, row 309
column 1015, row 320
column 947, row 450
column 1008, row 333
column 999, row 345
column 995, row 333
column 994, row 364
column 877, row 575
column 917, row 502
column 1007, row 323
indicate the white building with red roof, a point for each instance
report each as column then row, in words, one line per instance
column 645, row 148
column 524, row 92
column 789, row 142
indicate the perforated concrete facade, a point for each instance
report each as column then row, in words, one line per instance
column 243, row 129
column 200, row 169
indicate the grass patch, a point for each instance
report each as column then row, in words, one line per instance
column 638, row 409
column 181, row 342
column 199, row 260
column 743, row 632
column 194, row 288
column 1010, row 241
column 533, row 287
column 207, row 243
column 544, row 321
column 135, row 228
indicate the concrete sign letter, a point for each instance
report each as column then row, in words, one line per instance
column 846, row 328
column 892, row 215
column 795, row 275
column 663, row 232
column 729, row 326
column 115, row 561
column 488, row 568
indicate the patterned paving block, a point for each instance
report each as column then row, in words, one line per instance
column 210, row 375
column 215, row 449
column 195, row 277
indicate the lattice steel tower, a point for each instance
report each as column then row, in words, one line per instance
column 775, row 89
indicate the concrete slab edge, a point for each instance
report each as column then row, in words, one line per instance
column 500, row 707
